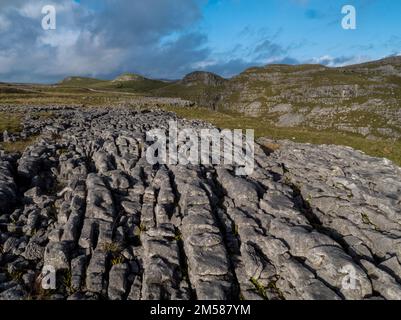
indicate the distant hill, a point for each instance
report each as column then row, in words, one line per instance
column 80, row 81
column 6, row 88
column 129, row 77
column 202, row 78
column 200, row 87
column 128, row 82
column 363, row 99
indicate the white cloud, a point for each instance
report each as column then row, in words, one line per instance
column 93, row 39
column 60, row 39
column 330, row 61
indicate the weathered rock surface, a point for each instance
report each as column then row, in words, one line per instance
column 360, row 99
column 311, row 222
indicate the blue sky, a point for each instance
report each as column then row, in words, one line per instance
column 169, row 38
column 306, row 31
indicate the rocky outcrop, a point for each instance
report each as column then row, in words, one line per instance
column 311, row 222
column 360, row 99
column 203, row 78
column 129, row 77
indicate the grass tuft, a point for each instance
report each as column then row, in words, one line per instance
column 261, row 289
column 17, row 146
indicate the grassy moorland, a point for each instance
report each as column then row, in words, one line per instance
column 230, row 120
column 10, row 122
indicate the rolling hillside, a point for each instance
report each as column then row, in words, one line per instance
column 358, row 106
column 128, row 82
column 362, row 99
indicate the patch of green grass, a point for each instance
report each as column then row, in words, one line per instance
column 112, row 247
column 18, row 146
column 139, row 230
column 10, row 122
column 261, row 289
column 44, row 115
column 67, row 281
column 13, row 90
column 283, row 68
column 142, row 227
column 82, row 84
column 136, row 86
column 334, row 76
column 65, row 95
column 361, row 118
column 366, row 220
column 117, row 260
column 231, row 120
column 80, row 81
column 16, row 275
column 62, row 151
column 178, row 236
column 199, row 93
